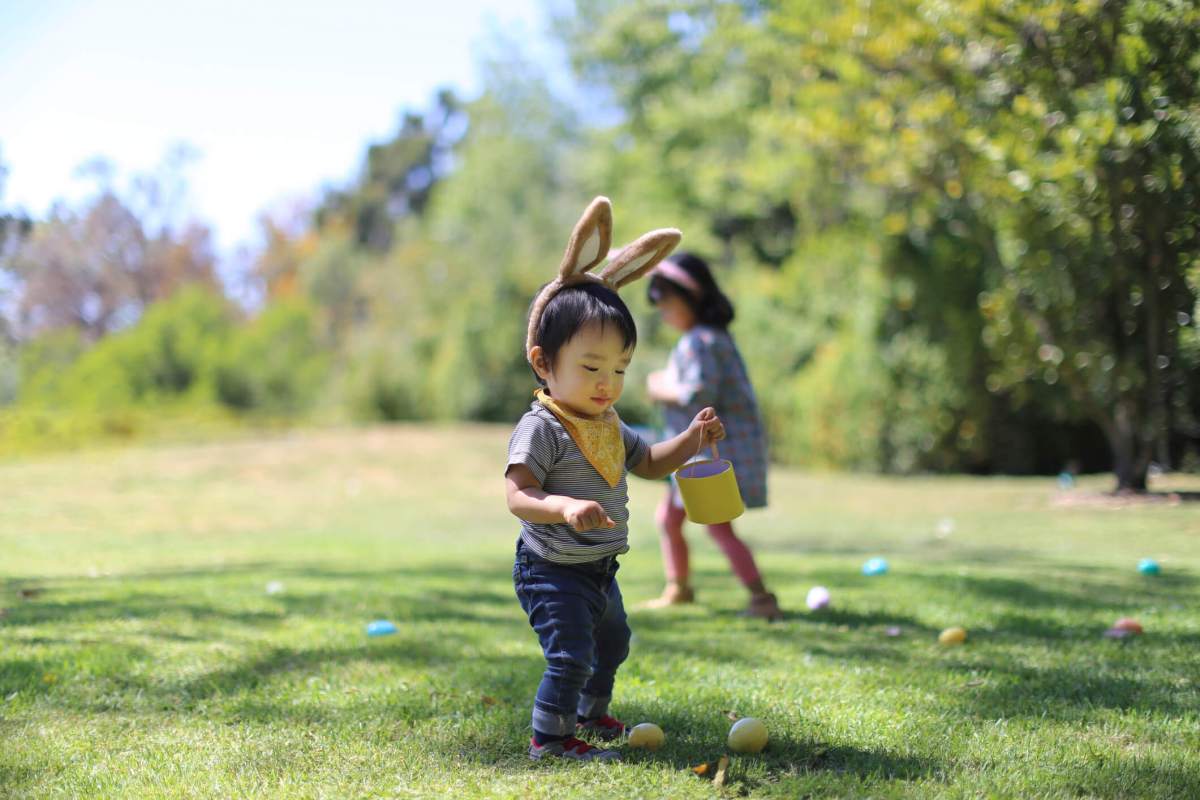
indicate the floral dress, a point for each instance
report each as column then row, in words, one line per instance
column 709, row 370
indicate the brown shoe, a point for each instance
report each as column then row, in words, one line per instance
column 673, row 594
column 764, row 605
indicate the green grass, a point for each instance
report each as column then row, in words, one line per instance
column 149, row 661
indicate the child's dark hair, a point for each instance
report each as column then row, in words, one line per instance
column 711, row 307
column 574, row 308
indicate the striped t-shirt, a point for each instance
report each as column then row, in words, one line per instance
column 542, row 444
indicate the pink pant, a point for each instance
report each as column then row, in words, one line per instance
column 671, row 517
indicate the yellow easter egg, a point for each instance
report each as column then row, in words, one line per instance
column 748, row 735
column 953, row 635
column 647, row 735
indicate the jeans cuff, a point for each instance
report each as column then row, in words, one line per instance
column 591, row 707
column 552, row 723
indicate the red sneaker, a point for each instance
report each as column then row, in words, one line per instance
column 605, row 727
column 572, row 748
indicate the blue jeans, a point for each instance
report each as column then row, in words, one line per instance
column 577, row 612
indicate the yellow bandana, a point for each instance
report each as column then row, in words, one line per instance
column 599, row 440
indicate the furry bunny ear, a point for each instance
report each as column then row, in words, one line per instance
column 586, row 248
column 636, row 259
column 590, row 240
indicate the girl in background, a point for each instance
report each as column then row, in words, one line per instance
column 706, row 369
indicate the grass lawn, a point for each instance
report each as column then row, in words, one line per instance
column 142, row 656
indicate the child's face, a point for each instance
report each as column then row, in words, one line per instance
column 676, row 312
column 589, row 372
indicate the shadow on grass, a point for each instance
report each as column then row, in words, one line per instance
column 16, row 779
column 441, row 607
column 835, row 634
column 1076, row 690
column 1132, row 776
column 697, row 738
column 385, row 591
column 1074, row 592
column 916, row 548
column 137, row 606
column 20, row 674
column 104, row 629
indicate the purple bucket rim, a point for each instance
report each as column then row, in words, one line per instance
column 691, row 465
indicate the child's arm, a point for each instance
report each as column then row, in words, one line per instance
column 527, row 501
column 662, row 388
column 692, row 377
column 665, row 457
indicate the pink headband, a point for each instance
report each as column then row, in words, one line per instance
column 677, row 274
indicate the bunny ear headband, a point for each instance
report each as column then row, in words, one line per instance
column 588, row 246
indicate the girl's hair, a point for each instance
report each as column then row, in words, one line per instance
column 711, row 307
column 576, row 307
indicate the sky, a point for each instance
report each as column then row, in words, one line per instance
column 279, row 97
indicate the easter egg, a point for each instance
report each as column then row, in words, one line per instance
column 380, row 627
column 1129, row 625
column 952, row 636
column 818, row 598
column 875, row 566
column 1148, row 566
column 647, row 735
column 748, row 735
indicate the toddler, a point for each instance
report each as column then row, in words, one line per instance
column 565, row 481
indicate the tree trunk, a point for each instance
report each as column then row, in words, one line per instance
column 1131, row 458
column 1129, row 471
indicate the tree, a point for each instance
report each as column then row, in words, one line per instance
column 457, row 290
column 98, row 267
column 693, row 101
column 398, row 176
column 1057, row 140
column 14, row 228
column 1031, row 169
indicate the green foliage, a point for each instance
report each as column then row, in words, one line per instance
column 1055, row 144
column 458, row 295
column 1031, row 170
column 331, row 278
column 398, row 176
column 923, row 395
column 273, row 363
column 167, row 356
column 185, row 363
column 836, row 409
column 28, row 429
column 10, row 374
column 126, row 384
column 384, row 379
column 44, row 363
column 478, row 369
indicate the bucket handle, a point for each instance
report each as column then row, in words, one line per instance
column 715, row 452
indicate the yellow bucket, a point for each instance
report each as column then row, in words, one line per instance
column 710, row 491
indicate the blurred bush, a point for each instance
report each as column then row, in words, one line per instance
column 168, row 356
column 274, row 363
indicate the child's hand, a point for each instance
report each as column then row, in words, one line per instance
column 709, row 427
column 586, row 515
column 660, row 387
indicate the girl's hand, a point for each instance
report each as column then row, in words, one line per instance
column 586, row 515
column 660, row 387
column 708, row 426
